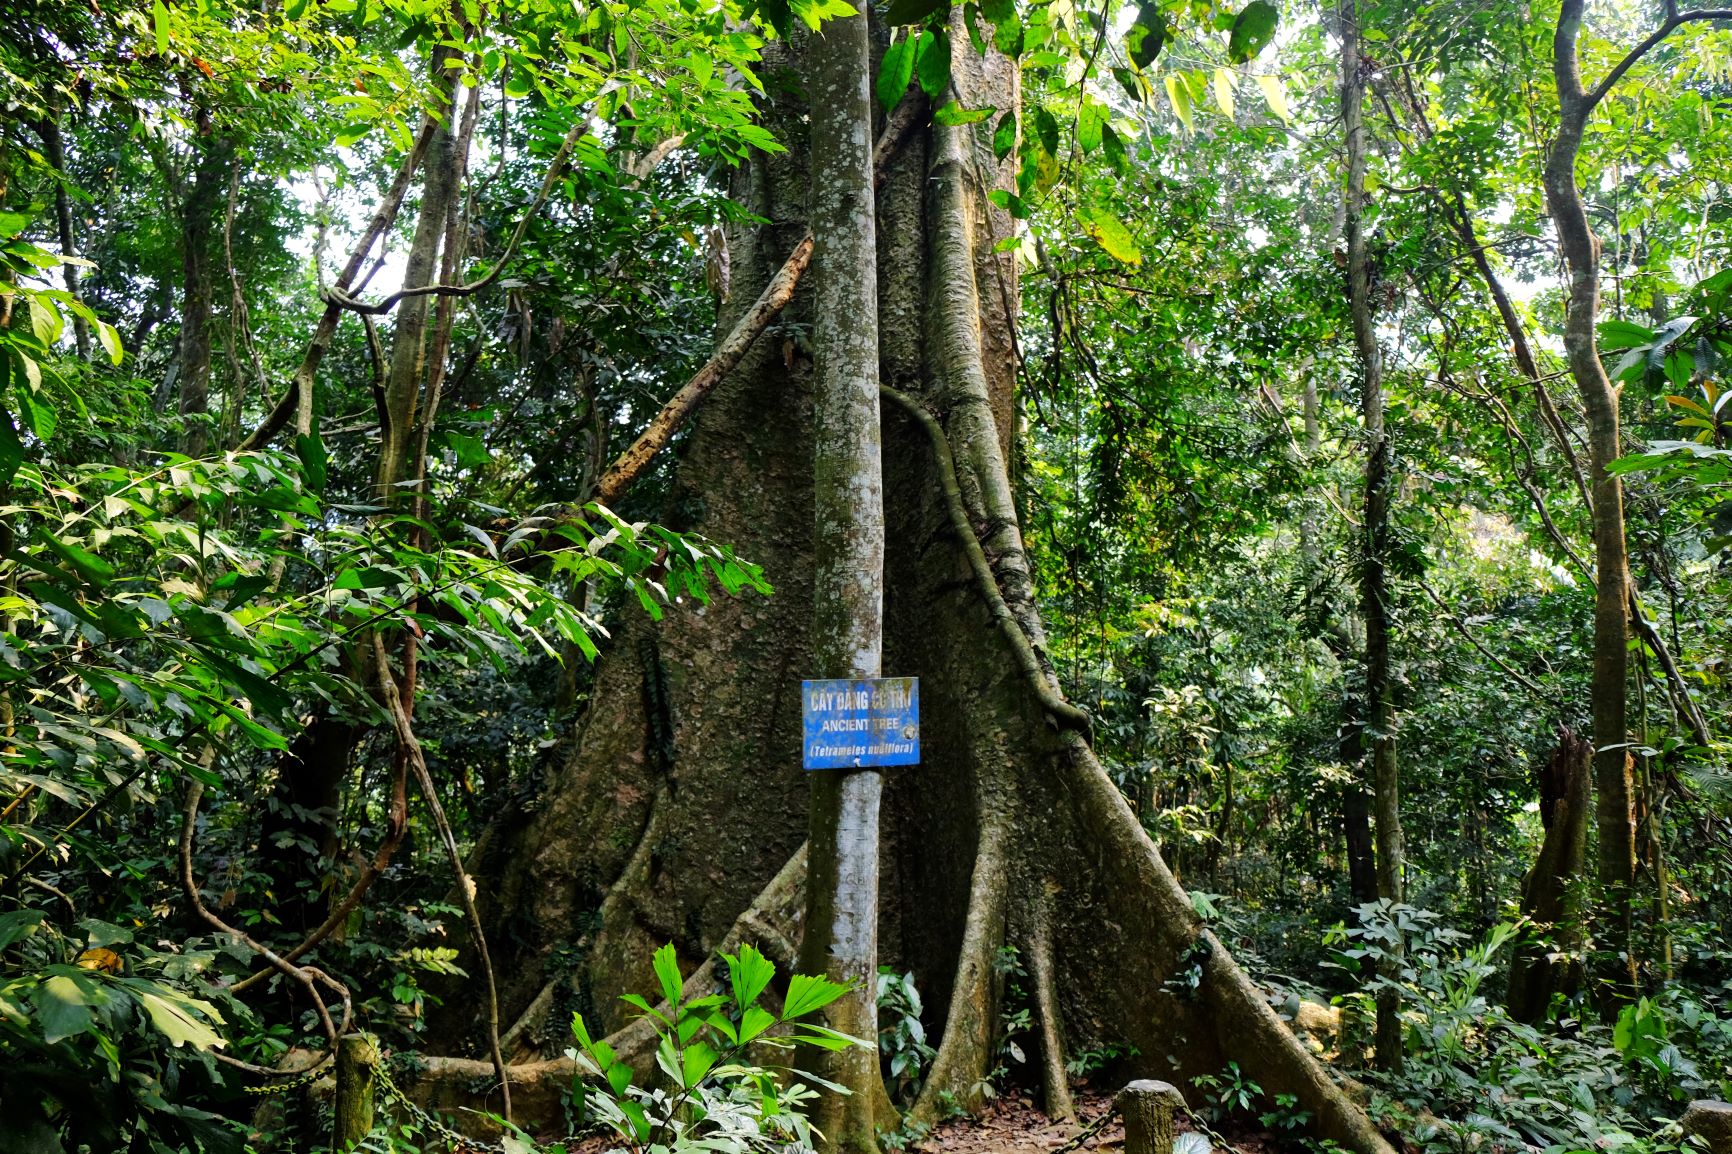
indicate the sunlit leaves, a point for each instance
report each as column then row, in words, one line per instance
column 1108, row 231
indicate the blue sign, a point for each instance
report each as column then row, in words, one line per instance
column 868, row 722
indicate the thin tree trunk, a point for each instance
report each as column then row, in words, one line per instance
column 403, row 379
column 54, row 144
column 1374, row 579
column 841, row 938
column 199, row 209
column 1615, row 815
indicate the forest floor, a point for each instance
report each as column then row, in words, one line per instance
column 1015, row 1125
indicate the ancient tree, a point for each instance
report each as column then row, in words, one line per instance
column 678, row 809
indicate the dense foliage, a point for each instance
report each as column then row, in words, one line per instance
column 216, row 571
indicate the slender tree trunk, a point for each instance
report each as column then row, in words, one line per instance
column 54, row 145
column 407, row 370
column 1615, row 815
column 841, row 938
column 199, row 211
column 1373, row 574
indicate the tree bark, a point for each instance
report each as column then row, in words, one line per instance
column 199, row 209
column 1615, row 816
column 1373, row 573
column 681, row 793
column 841, row 939
column 1551, row 895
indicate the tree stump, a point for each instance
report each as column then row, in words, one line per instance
column 1712, row 1122
column 1151, row 1111
column 357, row 1073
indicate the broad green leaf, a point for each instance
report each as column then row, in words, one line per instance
column 750, row 973
column 159, row 22
column 933, row 64
column 1004, row 136
column 38, row 417
column 1147, row 35
column 173, row 1016
column 1616, row 334
column 1090, row 121
column 1046, row 131
column 63, row 1007
column 1108, row 231
column 109, row 336
column 754, row 1022
column 314, row 460
column 895, row 71
column 88, row 565
column 1253, row 30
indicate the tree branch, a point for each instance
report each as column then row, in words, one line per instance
column 1674, row 20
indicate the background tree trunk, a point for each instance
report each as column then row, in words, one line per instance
column 1615, row 816
column 1373, row 573
column 1551, row 896
column 199, row 209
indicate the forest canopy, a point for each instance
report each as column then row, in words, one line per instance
column 1288, row 442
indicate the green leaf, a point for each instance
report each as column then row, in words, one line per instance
column 634, row 1114
column 913, row 11
column 1110, row 233
column 1180, row 97
column 109, row 336
column 159, row 21
column 1114, row 148
column 173, row 1016
column 1253, row 30
column 314, row 460
column 954, row 114
column 750, row 973
column 934, row 63
column 667, row 968
column 1046, row 131
column 807, row 992
column 895, row 71
column 63, row 1007
column 1004, row 136
column 38, row 417
column 1615, row 334
column 88, row 565
column 1010, row 202
column 754, row 1022
column 1148, row 35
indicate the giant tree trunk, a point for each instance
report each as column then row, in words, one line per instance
column 682, row 796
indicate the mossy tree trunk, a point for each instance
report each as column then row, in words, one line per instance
column 680, row 800
column 841, row 938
